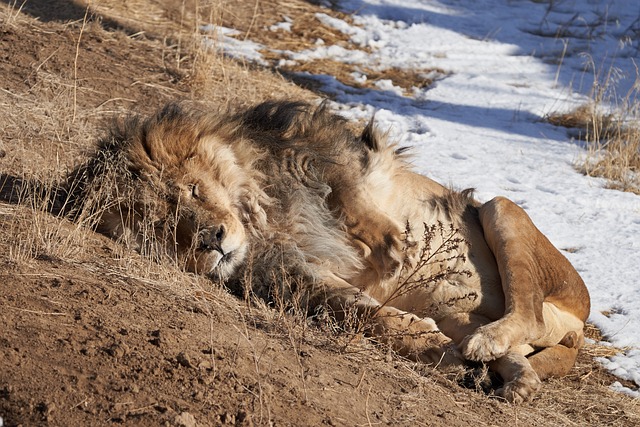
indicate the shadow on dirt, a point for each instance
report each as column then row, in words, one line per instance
column 64, row 11
column 17, row 190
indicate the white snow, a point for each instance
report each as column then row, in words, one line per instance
column 224, row 40
column 282, row 26
column 512, row 62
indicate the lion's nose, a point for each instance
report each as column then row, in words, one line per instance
column 220, row 233
column 212, row 238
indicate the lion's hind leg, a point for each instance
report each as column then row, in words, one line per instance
column 372, row 231
column 544, row 296
column 557, row 361
column 522, row 375
column 376, row 236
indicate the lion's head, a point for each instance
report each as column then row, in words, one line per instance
column 180, row 184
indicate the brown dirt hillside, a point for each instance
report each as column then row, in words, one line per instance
column 91, row 334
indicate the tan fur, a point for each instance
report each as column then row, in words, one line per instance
column 283, row 198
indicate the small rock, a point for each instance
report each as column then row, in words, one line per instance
column 117, row 350
column 5, row 392
column 304, row 353
column 205, row 365
column 207, row 380
column 242, row 419
column 156, row 338
column 185, row 419
column 184, row 360
column 88, row 351
column 46, row 409
column 228, row 418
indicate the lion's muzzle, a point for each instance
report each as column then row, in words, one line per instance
column 221, row 247
column 212, row 239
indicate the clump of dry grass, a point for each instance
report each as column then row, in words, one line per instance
column 36, row 235
column 608, row 123
column 612, row 141
column 193, row 53
column 599, row 347
column 618, row 160
column 11, row 13
column 307, row 30
column 40, row 143
column 37, row 231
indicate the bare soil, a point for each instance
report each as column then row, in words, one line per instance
column 91, row 334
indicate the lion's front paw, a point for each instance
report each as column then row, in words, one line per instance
column 520, row 389
column 484, row 346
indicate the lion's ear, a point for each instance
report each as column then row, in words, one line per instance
column 371, row 135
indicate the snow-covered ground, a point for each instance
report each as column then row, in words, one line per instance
column 482, row 126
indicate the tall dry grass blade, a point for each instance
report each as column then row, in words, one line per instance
column 75, row 66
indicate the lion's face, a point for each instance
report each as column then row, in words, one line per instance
column 202, row 208
column 191, row 193
column 207, row 228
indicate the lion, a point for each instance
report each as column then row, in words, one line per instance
column 284, row 198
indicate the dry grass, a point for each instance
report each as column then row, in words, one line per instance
column 38, row 129
column 612, row 141
column 11, row 16
column 307, row 30
column 598, row 348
